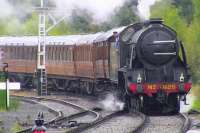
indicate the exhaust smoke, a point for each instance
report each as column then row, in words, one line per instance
column 185, row 108
column 144, row 8
column 112, row 103
column 100, row 9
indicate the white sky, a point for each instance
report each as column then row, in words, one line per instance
column 5, row 9
column 101, row 9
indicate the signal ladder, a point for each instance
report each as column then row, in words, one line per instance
column 41, row 66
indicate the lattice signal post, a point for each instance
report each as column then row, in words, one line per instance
column 41, row 64
column 41, row 54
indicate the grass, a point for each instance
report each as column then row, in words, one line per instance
column 14, row 103
column 2, row 99
column 16, row 127
column 196, row 94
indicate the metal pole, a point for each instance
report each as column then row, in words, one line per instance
column 5, row 70
column 41, row 64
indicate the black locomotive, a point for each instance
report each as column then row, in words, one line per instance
column 153, row 72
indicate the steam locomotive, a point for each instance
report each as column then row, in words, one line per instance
column 153, row 73
column 145, row 62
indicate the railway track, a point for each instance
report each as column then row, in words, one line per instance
column 68, row 117
column 117, row 122
column 72, row 118
column 166, row 124
column 100, row 120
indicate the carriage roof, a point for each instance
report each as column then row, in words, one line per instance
column 61, row 40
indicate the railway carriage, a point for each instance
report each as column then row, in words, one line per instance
column 145, row 62
column 72, row 62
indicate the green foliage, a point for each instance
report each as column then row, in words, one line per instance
column 186, row 8
column 61, row 29
column 80, row 20
column 30, row 26
column 196, row 96
column 3, row 100
column 122, row 16
column 189, row 33
column 14, row 104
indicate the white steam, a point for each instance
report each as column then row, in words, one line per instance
column 5, row 8
column 111, row 103
column 185, row 108
column 144, row 8
column 99, row 8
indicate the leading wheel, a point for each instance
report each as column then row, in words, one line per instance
column 127, row 103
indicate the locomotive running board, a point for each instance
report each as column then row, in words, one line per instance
column 174, row 53
column 164, row 42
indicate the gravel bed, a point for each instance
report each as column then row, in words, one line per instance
column 88, row 103
column 195, row 121
column 25, row 114
column 85, row 119
column 65, row 109
column 120, row 124
column 162, row 124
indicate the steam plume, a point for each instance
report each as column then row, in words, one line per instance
column 144, row 8
column 111, row 103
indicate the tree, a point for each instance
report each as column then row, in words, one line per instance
column 122, row 16
column 62, row 29
column 30, row 26
column 81, row 20
column 186, row 7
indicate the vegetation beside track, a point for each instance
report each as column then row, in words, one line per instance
column 14, row 104
column 196, row 94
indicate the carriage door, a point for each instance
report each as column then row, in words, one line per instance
column 114, row 61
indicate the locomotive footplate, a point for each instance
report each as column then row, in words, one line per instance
column 161, row 96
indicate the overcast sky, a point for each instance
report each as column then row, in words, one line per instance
column 5, row 8
column 101, row 9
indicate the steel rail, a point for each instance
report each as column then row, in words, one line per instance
column 61, row 118
column 142, row 123
column 186, row 125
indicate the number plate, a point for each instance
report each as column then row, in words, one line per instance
column 168, row 86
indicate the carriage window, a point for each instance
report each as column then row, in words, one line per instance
column 61, row 53
column 65, row 53
column 56, row 53
column 49, row 53
column 23, row 52
column 17, row 52
column 53, row 52
column 69, row 54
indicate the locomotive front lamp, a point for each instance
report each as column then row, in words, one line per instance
column 181, row 78
column 139, row 79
